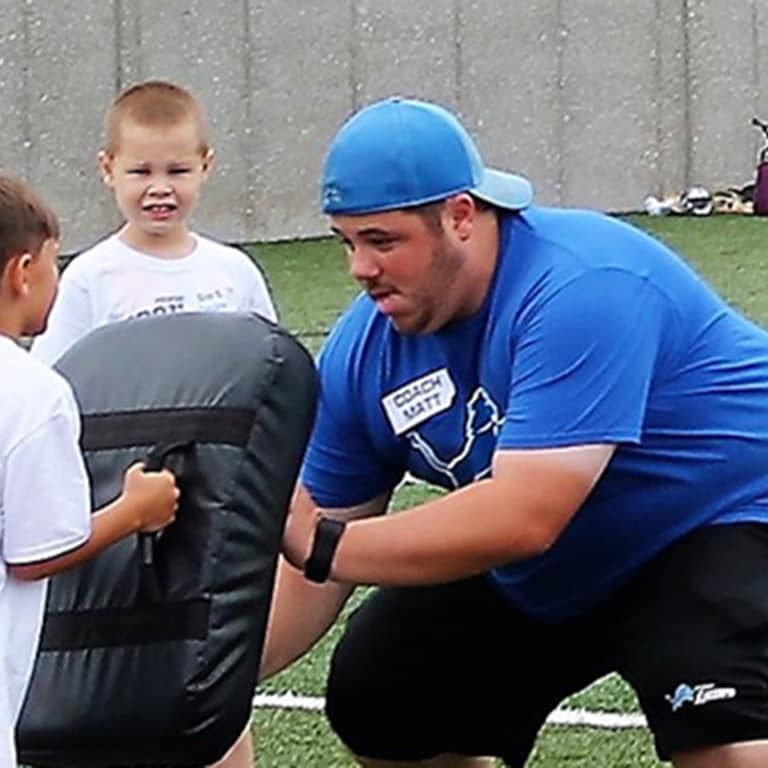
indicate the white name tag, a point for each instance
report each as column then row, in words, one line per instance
column 418, row 400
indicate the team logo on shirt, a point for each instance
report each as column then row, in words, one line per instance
column 411, row 405
column 472, row 461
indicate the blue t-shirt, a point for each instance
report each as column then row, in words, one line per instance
column 592, row 332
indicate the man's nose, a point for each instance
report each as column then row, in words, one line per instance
column 363, row 263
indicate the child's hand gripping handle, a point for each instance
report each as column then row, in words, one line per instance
column 154, row 462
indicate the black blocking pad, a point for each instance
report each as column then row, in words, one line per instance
column 150, row 651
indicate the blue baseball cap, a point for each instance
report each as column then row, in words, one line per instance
column 399, row 153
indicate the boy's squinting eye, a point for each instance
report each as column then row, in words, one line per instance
column 138, row 171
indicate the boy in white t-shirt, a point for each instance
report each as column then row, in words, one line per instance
column 156, row 159
column 45, row 518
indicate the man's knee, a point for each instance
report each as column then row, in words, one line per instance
column 355, row 707
column 752, row 754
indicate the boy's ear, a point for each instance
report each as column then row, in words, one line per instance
column 106, row 161
column 15, row 277
column 208, row 158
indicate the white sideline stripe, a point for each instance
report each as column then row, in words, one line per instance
column 596, row 719
column 558, row 717
column 287, row 701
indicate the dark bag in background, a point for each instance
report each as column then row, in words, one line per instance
column 760, row 194
column 150, row 651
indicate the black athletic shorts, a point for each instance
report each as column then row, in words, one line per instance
column 457, row 669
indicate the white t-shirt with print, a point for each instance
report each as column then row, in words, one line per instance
column 44, row 511
column 112, row 282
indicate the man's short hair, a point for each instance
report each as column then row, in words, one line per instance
column 431, row 213
column 26, row 220
column 155, row 103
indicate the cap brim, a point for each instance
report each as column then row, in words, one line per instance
column 505, row 190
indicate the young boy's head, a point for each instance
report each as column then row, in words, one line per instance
column 29, row 249
column 156, row 158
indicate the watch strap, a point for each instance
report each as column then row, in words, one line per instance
column 327, row 534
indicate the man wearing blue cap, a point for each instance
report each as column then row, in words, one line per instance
column 599, row 417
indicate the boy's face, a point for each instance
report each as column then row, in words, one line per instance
column 156, row 174
column 39, row 274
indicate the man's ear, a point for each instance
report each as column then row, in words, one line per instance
column 106, row 162
column 461, row 212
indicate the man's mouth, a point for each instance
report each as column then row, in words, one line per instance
column 379, row 293
column 386, row 300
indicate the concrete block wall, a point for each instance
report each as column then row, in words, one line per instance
column 599, row 103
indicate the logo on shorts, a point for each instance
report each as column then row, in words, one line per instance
column 696, row 695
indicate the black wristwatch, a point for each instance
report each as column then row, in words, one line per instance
column 327, row 534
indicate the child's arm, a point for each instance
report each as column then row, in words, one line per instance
column 46, row 500
column 259, row 297
column 148, row 503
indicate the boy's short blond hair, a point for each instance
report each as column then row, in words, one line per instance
column 26, row 220
column 154, row 103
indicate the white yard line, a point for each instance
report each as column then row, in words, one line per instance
column 585, row 717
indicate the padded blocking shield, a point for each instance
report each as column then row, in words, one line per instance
column 150, row 651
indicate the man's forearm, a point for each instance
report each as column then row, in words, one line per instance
column 291, row 630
